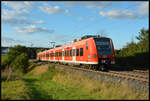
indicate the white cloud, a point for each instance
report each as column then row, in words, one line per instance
column 142, row 11
column 18, row 5
column 52, row 10
column 91, row 18
column 33, row 29
column 15, row 17
column 39, row 22
column 12, row 17
column 80, row 19
column 17, row 13
column 119, row 14
column 8, row 40
column 143, row 8
column 89, row 4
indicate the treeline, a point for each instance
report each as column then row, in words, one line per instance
column 16, row 61
column 135, row 54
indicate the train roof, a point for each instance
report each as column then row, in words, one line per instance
column 88, row 36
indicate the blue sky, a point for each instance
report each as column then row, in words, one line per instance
column 39, row 23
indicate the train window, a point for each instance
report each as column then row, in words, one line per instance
column 62, row 53
column 77, row 52
column 59, row 53
column 86, row 46
column 47, row 55
column 81, row 51
column 70, row 52
column 67, row 52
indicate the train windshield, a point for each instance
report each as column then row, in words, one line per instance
column 103, row 46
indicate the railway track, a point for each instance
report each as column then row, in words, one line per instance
column 138, row 77
column 141, row 71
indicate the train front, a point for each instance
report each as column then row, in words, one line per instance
column 105, row 51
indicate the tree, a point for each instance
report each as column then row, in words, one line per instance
column 17, row 50
column 136, row 53
column 143, row 44
column 20, row 62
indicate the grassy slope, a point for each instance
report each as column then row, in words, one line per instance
column 36, row 85
column 53, row 84
column 104, row 90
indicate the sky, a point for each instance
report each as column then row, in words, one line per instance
column 38, row 23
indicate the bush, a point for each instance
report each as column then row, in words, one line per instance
column 135, row 54
column 5, row 62
column 20, row 63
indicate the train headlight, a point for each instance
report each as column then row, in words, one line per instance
column 94, row 55
column 89, row 56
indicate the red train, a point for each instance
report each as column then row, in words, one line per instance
column 94, row 51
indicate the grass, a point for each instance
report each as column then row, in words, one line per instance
column 103, row 90
column 46, row 82
column 14, row 90
column 39, row 85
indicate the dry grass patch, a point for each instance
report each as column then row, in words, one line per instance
column 40, row 69
column 104, row 90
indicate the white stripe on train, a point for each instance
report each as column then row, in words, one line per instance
column 77, row 62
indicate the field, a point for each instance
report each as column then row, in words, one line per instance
column 47, row 82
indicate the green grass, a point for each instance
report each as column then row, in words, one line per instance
column 40, row 87
column 46, row 82
column 14, row 90
column 3, row 58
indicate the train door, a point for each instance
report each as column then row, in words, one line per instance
column 63, row 54
column 49, row 56
column 74, row 54
column 54, row 55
